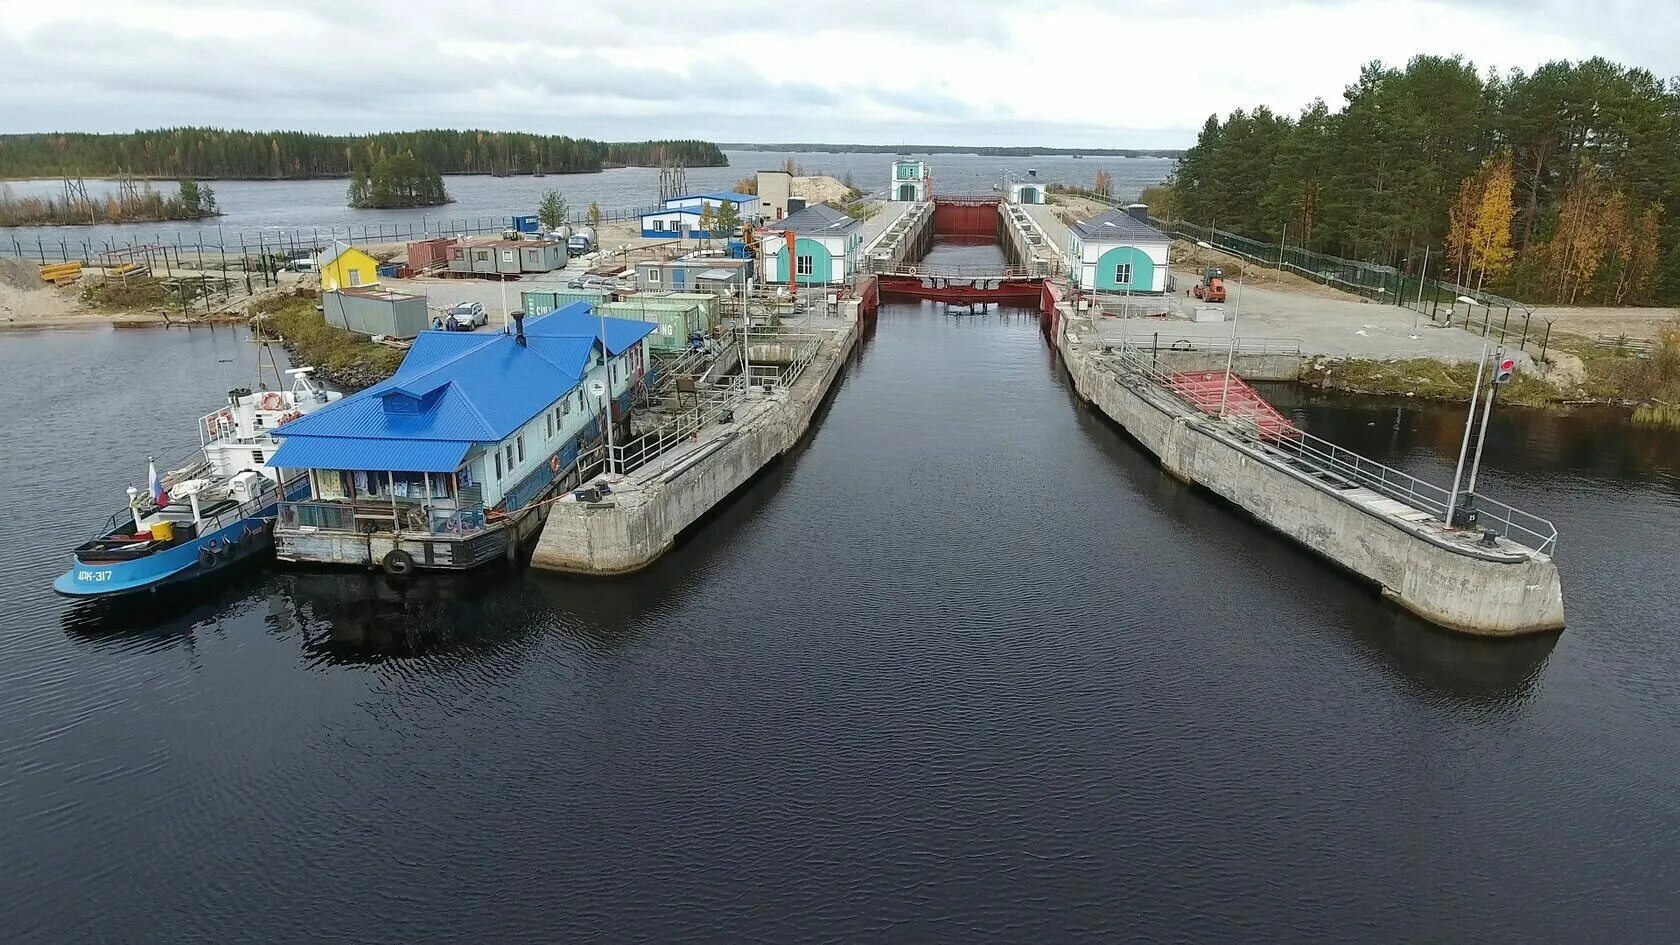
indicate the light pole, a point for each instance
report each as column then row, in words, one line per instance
column 1231, row 352
column 1469, row 305
column 1464, row 444
column 1417, row 312
column 606, row 389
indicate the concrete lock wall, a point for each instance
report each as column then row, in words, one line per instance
column 1252, row 367
column 1493, row 595
column 638, row 524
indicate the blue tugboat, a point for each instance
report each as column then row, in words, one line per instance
column 197, row 520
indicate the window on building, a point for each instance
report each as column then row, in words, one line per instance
column 548, row 425
column 653, row 275
column 498, row 466
column 580, row 400
column 257, row 457
column 566, row 406
column 806, row 265
column 355, row 277
column 520, row 442
column 1123, row 274
column 507, row 456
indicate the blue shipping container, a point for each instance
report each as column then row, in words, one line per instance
column 526, row 223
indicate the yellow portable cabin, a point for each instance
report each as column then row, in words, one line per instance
column 344, row 267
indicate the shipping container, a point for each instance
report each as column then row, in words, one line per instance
column 526, row 223
column 424, row 253
column 678, row 321
column 375, row 312
column 541, row 303
column 707, row 301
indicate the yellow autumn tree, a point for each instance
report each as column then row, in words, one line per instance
column 1577, row 247
column 1490, row 231
column 1105, row 184
column 1461, row 219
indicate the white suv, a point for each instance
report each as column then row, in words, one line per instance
column 470, row 314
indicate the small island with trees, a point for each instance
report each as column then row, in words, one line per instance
column 132, row 202
column 396, row 181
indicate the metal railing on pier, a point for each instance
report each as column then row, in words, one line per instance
column 713, row 404
column 1320, row 455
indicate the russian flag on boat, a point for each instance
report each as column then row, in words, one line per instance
column 154, row 485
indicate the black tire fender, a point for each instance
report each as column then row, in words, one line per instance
column 397, row 562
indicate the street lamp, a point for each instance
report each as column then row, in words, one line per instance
column 1231, row 352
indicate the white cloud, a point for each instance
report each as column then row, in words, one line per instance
column 1076, row 72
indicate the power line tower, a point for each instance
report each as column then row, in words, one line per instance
column 673, row 182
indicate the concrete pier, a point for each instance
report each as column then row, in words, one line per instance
column 1027, row 244
column 648, row 508
column 1450, row 577
column 897, row 236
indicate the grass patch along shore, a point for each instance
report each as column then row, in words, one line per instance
column 1421, row 377
column 344, row 358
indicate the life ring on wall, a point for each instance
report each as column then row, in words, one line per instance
column 397, row 562
column 554, row 463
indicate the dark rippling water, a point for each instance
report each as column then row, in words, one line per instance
column 965, row 667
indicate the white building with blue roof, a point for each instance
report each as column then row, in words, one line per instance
column 443, row 464
column 679, row 218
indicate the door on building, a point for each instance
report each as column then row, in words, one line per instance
column 355, row 277
column 679, row 278
column 907, row 191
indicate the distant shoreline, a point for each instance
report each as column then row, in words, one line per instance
column 305, row 177
column 979, row 150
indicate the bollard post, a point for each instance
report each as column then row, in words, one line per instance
column 1544, row 340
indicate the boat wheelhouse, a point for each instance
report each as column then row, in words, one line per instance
column 207, row 514
column 445, row 465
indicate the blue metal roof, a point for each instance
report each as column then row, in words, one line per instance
column 575, row 320
column 463, row 388
column 714, row 195
column 351, row 452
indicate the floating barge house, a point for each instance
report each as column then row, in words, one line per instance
column 445, row 465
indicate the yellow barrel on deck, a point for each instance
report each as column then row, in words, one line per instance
column 163, row 531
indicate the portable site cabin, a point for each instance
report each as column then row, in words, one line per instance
column 1118, row 251
column 542, row 255
column 826, row 241
column 498, row 258
column 343, row 266
column 445, row 464
column 719, row 274
column 375, row 311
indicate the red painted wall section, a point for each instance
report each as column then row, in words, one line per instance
column 966, row 216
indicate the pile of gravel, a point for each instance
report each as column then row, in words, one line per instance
column 20, row 273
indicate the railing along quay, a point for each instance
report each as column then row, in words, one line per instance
column 1317, row 453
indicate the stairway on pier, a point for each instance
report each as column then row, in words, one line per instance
column 1209, row 392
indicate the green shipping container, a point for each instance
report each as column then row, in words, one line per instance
column 677, row 321
column 541, row 303
column 707, row 301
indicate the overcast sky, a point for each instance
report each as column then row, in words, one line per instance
column 1143, row 73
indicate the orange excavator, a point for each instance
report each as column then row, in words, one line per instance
column 1212, row 286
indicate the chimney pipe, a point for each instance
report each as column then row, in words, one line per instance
column 519, row 328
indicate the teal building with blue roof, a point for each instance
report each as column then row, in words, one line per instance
column 439, row 465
